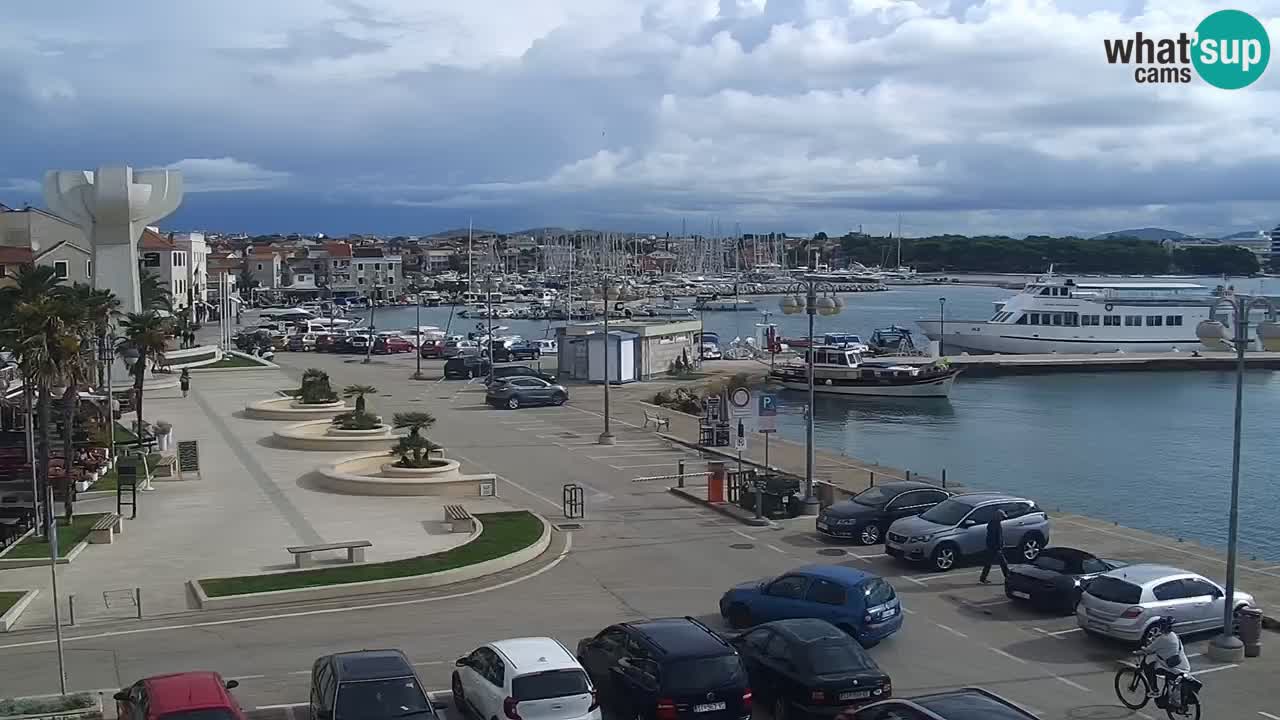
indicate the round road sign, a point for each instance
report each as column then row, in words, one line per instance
column 740, row 398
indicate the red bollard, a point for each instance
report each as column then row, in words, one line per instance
column 715, row 481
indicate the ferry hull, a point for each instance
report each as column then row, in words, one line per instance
column 983, row 338
column 936, row 387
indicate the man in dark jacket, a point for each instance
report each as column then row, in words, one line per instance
column 995, row 547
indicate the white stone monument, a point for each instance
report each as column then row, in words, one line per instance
column 113, row 206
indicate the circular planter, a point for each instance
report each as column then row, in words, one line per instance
column 321, row 435
column 287, row 408
column 371, row 474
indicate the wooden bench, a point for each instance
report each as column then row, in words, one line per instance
column 354, row 548
column 659, row 422
column 458, row 519
column 103, row 532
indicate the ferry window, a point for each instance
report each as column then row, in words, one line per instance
column 1073, row 319
column 1153, row 320
column 1112, row 320
column 1022, row 320
column 1046, row 291
column 1035, row 318
column 1132, row 320
column 1057, row 318
column 1173, row 320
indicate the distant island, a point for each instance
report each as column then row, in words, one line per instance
column 1110, row 253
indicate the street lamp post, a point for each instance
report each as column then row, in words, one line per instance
column 942, row 325
column 417, row 328
column 812, row 304
column 373, row 306
column 488, row 292
column 1227, row 647
column 606, row 437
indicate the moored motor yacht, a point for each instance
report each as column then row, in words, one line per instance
column 840, row 370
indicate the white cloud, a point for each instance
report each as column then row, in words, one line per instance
column 1000, row 114
column 226, row 175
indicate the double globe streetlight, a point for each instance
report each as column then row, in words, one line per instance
column 609, row 292
column 811, row 303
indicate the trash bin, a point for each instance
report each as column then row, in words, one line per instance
column 1249, row 628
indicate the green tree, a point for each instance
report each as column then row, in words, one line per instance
column 412, row 447
column 152, row 293
column 146, row 336
column 1216, row 260
column 358, row 392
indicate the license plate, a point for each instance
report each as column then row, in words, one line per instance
column 823, row 526
column 855, row 695
column 1020, row 594
column 709, row 707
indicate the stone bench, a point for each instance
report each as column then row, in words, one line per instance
column 354, row 548
column 103, row 532
column 458, row 519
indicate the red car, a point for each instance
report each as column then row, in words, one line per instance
column 432, row 348
column 391, row 344
column 180, row 696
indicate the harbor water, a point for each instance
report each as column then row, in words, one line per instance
column 1150, row 450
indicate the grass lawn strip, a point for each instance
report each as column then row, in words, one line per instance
column 7, row 599
column 45, row 705
column 68, row 538
column 110, row 480
column 232, row 361
column 504, row 533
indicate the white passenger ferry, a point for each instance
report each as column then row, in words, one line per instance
column 1054, row 314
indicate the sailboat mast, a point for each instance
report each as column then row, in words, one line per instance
column 470, row 284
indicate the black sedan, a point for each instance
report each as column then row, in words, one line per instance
column 867, row 515
column 1056, row 578
column 809, row 667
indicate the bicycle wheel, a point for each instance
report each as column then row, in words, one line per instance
column 1131, row 688
column 1189, row 710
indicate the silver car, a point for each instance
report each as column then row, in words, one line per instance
column 1123, row 603
column 956, row 529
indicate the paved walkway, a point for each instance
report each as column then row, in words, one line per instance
column 251, row 501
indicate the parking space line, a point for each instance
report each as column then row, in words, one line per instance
column 918, row 582
column 622, row 455
column 908, row 611
column 1002, row 653
column 775, row 548
column 1269, row 715
column 1070, row 682
column 952, row 630
column 1214, row 669
column 739, row 532
column 1068, row 631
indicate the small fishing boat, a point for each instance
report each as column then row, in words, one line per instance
column 839, row 370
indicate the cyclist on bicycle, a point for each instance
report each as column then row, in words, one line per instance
column 1168, row 657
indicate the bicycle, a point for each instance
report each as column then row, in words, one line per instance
column 1183, row 689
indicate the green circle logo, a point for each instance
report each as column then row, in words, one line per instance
column 1232, row 49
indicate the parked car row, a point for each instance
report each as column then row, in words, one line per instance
column 922, row 523
column 347, row 343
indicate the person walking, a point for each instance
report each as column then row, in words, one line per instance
column 995, row 547
column 185, row 381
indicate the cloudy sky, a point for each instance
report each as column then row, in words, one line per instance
column 409, row 116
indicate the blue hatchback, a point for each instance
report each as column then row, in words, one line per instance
column 860, row 603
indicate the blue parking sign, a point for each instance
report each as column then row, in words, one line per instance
column 768, row 405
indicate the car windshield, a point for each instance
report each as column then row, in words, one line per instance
column 877, row 592
column 378, row 699
column 971, row 706
column 947, row 512
column 703, row 674
column 873, row 497
column 550, row 684
column 836, row 657
column 1049, row 561
column 201, row 714
column 1115, row 590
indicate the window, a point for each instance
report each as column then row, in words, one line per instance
column 876, row 592
column 1111, row 320
column 359, row 266
column 1035, row 318
column 369, row 699
column 1022, row 320
column 612, row 641
column 892, row 711
column 1057, row 318
column 1195, row 587
column 88, row 268
column 789, row 586
column 695, row 676
column 932, row 497
column 983, row 514
column 1050, row 561
column 60, row 268
column 3, row 271
column 1092, row 565
column 835, row 657
column 1071, row 319
column 1172, row 590
column 1014, row 509
column 553, row 684
column 1132, row 320
column 825, row 592
column 1154, row 320
column 950, row 512
column 359, row 281
column 1115, row 590
column 1173, row 320
column 259, row 266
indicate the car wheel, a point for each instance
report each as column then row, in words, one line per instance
column 779, row 709
column 870, row 534
column 513, row 403
column 559, row 399
column 739, row 616
column 459, row 699
column 1030, row 547
column 944, row 557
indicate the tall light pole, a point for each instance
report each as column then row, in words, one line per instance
column 606, row 437
column 942, row 325
column 1227, row 647
column 488, row 293
column 373, row 306
column 828, row 304
column 417, row 328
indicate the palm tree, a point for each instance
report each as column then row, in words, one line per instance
column 152, row 292
column 30, row 282
column 358, row 392
column 145, row 338
column 411, row 447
